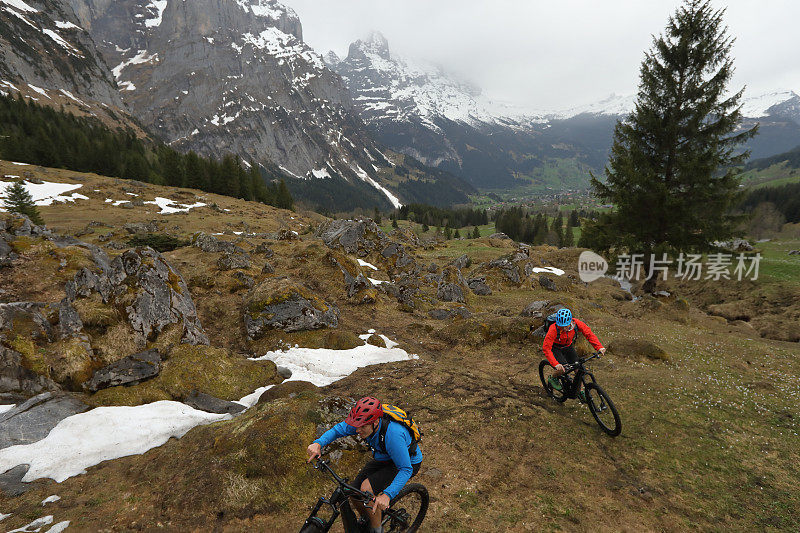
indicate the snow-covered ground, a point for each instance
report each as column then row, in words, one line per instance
column 104, row 433
column 4, row 408
column 322, row 367
column 45, row 193
column 171, row 206
column 548, row 270
column 365, row 264
column 86, row 439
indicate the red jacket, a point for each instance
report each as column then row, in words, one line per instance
column 561, row 337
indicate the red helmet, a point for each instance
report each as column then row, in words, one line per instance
column 366, row 411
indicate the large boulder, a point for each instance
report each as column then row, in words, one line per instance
column 479, row 286
column 127, row 371
column 278, row 303
column 359, row 289
column 209, row 243
column 211, row 404
column 359, row 237
column 17, row 380
column 154, row 295
column 535, row 309
column 32, row 420
column 233, row 261
column 286, row 389
column 451, row 285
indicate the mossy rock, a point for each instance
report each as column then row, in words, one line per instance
column 472, row 331
column 214, row 371
column 376, row 340
column 342, row 340
column 637, row 349
column 274, row 291
column 286, row 389
column 681, row 304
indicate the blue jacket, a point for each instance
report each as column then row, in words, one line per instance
column 398, row 439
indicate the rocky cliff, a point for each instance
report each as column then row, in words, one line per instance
column 235, row 76
column 46, row 55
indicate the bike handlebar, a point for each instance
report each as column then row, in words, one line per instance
column 571, row 367
column 321, row 464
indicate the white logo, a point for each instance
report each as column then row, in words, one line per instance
column 591, row 266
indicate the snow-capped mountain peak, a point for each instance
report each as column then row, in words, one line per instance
column 770, row 103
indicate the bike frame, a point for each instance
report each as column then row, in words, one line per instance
column 339, row 503
column 580, row 375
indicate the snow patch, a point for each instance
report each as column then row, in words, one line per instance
column 71, row 96
column 86, row 439
column 364, row 176
column 549, row 270
column 169, row 206
column 4, row 408
column 365, row 264
column 321, row 173
column 51, row 499
column 376, row 281
column 19, row 4
column 322, row 366
column 140, row 57
column 45, row 193
column 34, row 526
column 61, row 25
column 61, row 42
column 39, row 90
column 158, row 6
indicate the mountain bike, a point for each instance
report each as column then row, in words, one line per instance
column 596, row 398
column 404, row 514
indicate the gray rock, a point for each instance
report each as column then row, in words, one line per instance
column 508, row 269
column 32, row 420
column 449, row 292
column 11, row 483
column 209, row 243
column 160, row 295
column 233, row 261
column 15, row 379
column 7, row 255
column 211, row 404
column 402, row 260
column 462, row 262
column 264, row 250
column 499, row 236
column 27, row 311
column 140, row 227
column 479, row 286
column 69, row 323
column 736, row 245
column 244, row 280
column 353, row 236
column 287, row 235
column 433, row 268
column 293, row 311
column 126, row 205
column 794, row 252
column 547, row 283
column 534, row 309
column 284, row 372
column 127, row 371
column 268, row 269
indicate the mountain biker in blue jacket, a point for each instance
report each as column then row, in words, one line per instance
column 389, row 470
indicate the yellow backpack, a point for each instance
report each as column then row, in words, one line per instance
column 392, row 413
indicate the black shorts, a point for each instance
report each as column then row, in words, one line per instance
column 380, row 474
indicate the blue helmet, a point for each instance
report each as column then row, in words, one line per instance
column 563, row 317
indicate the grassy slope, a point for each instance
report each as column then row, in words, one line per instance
column 709, row 439
column 772, row 176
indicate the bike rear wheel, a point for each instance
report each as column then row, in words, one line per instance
column 409, row 508
column 603, row 409
column 545, row 373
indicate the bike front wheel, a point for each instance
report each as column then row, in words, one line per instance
column 603, row 409
column 406, row 510
column 546, row 375
column 311, row 528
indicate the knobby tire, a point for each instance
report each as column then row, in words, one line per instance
column 594, row 393
column 408, row 492
column 559, row 396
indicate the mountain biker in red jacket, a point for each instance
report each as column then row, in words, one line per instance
column 559, row 342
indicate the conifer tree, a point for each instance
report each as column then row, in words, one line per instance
column 457, row 235
column 19, row 200
column 671, row 172
column 476, row 233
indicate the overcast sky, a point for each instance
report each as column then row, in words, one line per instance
column 553, row 54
